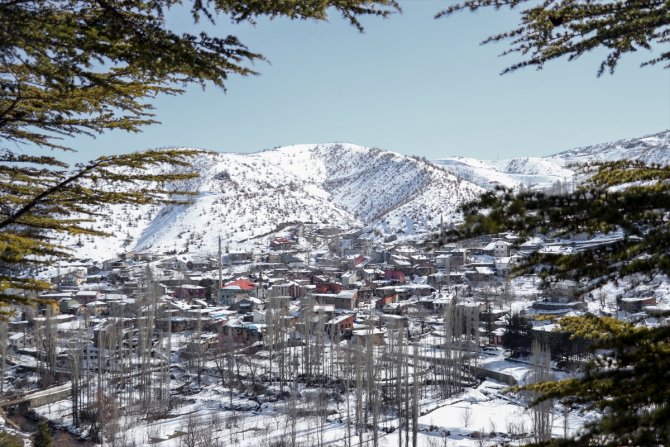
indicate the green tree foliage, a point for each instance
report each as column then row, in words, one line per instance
column 518, row 335
column 9, row 440
column 87, row 66
column 552, row 29
column 42, row 437
column 627, row 382
column 84, row 67
column 628, row 197
column 627, row 377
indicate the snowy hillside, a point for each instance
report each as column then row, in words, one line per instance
column 544, row 172
column 250, row 198
column 651, row 149
column 531, row 172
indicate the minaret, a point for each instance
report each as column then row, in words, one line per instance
column 220, row 276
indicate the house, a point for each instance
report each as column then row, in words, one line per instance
column 340, row 326
column 321, row 311
column 358, row 261
column 480, row 273
column 200, row 345
column 290, row 288
column 189, row 291
column 345, row 299
column 260, row 316
column 403, row 264
column 97, row 308
column 87, row 296
column 235, row 291
column 74, row 278
column 437, row 280
column 278, row 302
column 173, row 263
column 247, row 305
column 327, row 287
column 531, row 245
column 498, row 249
column 637, row 303
column 394, row 321
column 441, row 302
column 349, row 279
column 281, row 243
column 395, row 276
column 502, row 266
column 243, row 333
column 238, row 257
column 70, row 306
column 21, row 340
column 424, row 268
column 370, row 274
column 496, row 336
column 564, row 291
column 388, row 299
column 114, row 264
column 418, row 289
column 363, row 337
column 328, row 231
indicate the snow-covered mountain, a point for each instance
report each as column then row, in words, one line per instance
column 249, row 198
column 530, row 172
column 544, row 172
column 651, row 149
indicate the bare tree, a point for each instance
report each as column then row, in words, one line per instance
column 415, row 393
column 466, row 416
column 3, row 354
column 190, row 438
column 541, row 412
column 75, row 344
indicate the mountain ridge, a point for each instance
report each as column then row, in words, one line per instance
column 248, row 199
column 545, row 172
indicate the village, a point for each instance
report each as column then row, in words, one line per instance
column 141, row 332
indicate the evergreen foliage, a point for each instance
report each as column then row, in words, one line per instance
column 517, row 336
column 9, row 440
column 627, row 382
column 627, row 377
column 84, row 67
column 552, row 29
column 628, row 199
column 42, row 437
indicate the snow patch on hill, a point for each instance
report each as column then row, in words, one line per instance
column 545, row 172
column 249, row 198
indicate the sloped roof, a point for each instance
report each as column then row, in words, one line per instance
column 243, row 284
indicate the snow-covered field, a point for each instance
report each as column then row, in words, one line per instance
column 482, row 415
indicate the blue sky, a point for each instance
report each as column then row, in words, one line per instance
column 410, row 84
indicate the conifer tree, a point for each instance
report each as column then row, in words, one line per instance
column 553, row 29
column 629, row 200
column 627, row 383
column 85, row 67
column 42, row 437
column 518, row 336
column 627, row 379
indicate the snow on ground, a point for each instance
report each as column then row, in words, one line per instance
column 482, row 413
